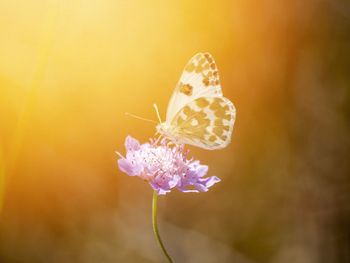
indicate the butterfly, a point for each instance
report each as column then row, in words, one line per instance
column 198, row 114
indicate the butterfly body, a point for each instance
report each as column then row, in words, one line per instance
column 197, row 113
column 169, row 132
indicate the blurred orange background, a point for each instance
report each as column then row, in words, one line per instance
column 69, row 70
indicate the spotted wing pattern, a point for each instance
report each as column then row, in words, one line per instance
column 200, row 78
column 206, row 122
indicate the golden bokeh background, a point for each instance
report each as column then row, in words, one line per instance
column 69, row 70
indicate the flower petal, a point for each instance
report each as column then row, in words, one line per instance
column 129, row 168
column 201, row 187
column 174, row 181
column 131, row 144
column 165, row 167
column 158, row 189
column 202, row 170
column 210, row 181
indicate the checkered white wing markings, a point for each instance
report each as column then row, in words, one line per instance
column 200, row 78
column 206, row 122
column 198, row 114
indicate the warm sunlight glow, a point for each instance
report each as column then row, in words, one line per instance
column 70, row 70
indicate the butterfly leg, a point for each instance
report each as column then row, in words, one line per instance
column 158, row 139
column 170, row 143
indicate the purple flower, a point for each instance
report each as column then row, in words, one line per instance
column 164, row 167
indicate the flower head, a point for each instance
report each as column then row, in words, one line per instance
column 165, row 167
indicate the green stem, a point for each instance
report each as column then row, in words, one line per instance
column 155, row 227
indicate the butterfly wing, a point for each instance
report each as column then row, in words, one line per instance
column 200, row 78
column 206, row 122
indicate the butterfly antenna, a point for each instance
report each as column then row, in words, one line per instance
column 140, row 118
column 157, row 111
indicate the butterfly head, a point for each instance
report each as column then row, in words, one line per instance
column 163, row 128
column 167, row 131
